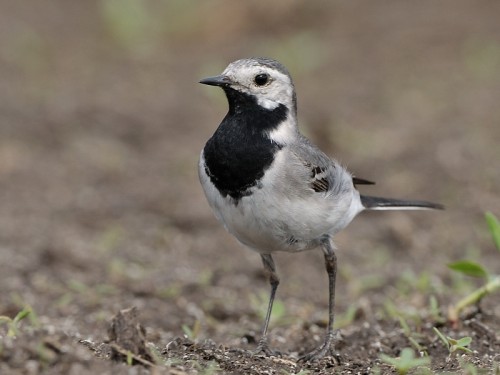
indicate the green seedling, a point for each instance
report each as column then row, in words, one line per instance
column 192, row 333
column 406, row 361
column 454, row 345
column 410, row 282
column 407, row 313
column 261, row 301
column 466, row 267
column 345, row 319
column 434, row 310
column 494, row 227
column 412, row 336
column 130, row 358
column 13, row 324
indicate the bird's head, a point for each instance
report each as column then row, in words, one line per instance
column 264, row 80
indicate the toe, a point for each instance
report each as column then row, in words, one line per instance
column 264, row 349
column 317, row 354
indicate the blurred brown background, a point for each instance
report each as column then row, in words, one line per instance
column 102, row 121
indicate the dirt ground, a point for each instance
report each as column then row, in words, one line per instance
column 101, row 124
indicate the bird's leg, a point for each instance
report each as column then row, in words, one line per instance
column 274, row 280
column 331, row 269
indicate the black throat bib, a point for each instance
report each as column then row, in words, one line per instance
column 240, row 151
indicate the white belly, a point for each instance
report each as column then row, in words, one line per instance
column 274, row 218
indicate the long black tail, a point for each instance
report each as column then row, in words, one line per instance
column 378, row 203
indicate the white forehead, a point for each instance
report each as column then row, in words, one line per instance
column 245, row 68
column 278, row 91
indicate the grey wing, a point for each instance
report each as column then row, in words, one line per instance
column 323, row 173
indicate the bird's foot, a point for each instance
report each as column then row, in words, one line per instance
column 263, row 349
column 326, row 349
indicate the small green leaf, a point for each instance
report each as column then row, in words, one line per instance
column 192, row 333
column 461, row 344
column 130, row 358
column 464, row 341
column 494, row 227
column 22, row 314
column 187, row 331
column 406, row 361
column 389, row 360
column 469, row 268
column 454, row 348
column 441, row 337
column 279, row 310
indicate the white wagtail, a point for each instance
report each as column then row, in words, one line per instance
column 270, row 186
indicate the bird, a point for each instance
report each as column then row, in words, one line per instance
column 271, row 187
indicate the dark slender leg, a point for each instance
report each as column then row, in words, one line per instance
column 331, row 268
column 274, row 280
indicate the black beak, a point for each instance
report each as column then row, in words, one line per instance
column 217, row 81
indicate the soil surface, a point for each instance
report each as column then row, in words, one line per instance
column 106, row 237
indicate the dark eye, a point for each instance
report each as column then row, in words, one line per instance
column 261, row 79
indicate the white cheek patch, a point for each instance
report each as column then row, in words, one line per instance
column 274, row 95
column 285, row 133
column 267, row 103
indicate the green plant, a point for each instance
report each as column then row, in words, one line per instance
column 192, row 333
column 434, row 310
column 345, row 319
column 492, row 282
column 412, row 336
column 406, row 361
column 454, row 345
column 13, row 324
column 261, row 300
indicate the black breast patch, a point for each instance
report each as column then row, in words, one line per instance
column 239, row 152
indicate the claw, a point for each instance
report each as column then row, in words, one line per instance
column 326, row 349
column 263, row 349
